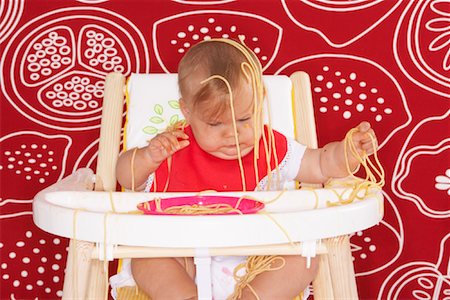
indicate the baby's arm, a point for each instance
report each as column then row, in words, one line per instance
column 149, row 158
column 319, row 165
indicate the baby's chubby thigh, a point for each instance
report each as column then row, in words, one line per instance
column 289, row 277
column 163, row 278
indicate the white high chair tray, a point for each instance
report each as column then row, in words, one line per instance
column 55, row 212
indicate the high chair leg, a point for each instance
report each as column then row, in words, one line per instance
column 203, row 270
column 98, row 288
column 76, row 279
column 322, row 285
column 341, row 268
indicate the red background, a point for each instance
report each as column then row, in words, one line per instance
column 384, row 62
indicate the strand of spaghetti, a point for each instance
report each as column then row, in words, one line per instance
column 272, row 146
column 316, row 196
column 105, row 260
column 133, row 156
column 154, row 183
column 369, row 167
column 378, row 169
column 178, row 125
column 347, row 165
column 169, row 170
column 365, row 160
column 256, row 121
column 111, row 201
column 269, row 154
column 271, row 151
column 239, row 202
column 253, row 290
column 340, row 198
column 259, row 92
column 255, row 67
column 74, row 253
column 146, row 205
column 186, row 266
column 268, row 168
column 274, row 149
column 157, row 204
column 254, row 266
column 279, row 226
column 255, row 63
column 276, row 197
column 241, row 167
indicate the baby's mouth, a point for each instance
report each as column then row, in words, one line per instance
column 242, row 148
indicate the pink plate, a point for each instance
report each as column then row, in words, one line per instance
column 246, row 205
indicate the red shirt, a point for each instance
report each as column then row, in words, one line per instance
column 194, row 170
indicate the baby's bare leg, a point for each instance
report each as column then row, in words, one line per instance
column 165, row 278
column 285, row 283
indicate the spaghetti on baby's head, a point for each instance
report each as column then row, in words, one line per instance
column 221, row 90
column 217, row 57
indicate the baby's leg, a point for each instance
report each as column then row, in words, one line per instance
column 285, row 283
column 165, row 278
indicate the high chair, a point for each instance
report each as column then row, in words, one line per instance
column 100, row 229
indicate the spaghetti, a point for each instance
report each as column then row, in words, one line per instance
column 196, row 209
column 254, row 266
column 255, row 69
column 360, row 188
column 178, row 125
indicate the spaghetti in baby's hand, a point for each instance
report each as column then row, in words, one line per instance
column 167, row 143
column 364, row 138
column 201, row 205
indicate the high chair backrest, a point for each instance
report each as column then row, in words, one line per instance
column 152, row 105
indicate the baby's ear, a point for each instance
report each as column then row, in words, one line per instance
column 184, row 108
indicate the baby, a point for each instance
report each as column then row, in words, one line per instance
column 225, row 147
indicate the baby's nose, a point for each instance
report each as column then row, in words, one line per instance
column 230, row 131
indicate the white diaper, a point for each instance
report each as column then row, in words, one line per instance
column 222, row 268
column 123, row 278
column 222, row 279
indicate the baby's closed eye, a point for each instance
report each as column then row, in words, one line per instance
column 244, row 119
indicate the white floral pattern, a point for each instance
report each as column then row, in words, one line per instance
column 443, row 182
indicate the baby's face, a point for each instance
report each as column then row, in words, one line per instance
column 217, row 137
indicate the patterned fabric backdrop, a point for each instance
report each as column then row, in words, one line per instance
column 386, row 62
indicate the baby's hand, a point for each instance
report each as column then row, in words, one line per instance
column 167, row 143
column 362, row 139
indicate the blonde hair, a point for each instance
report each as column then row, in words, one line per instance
column 208, row 58
column 230, row 64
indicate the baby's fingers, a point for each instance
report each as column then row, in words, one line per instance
column 170, row 142
column 364, row 126
column 368, row 136
column 181, row 139
column 160, row 144
column 176, row 137
column 368, row 147
column 180, row 134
